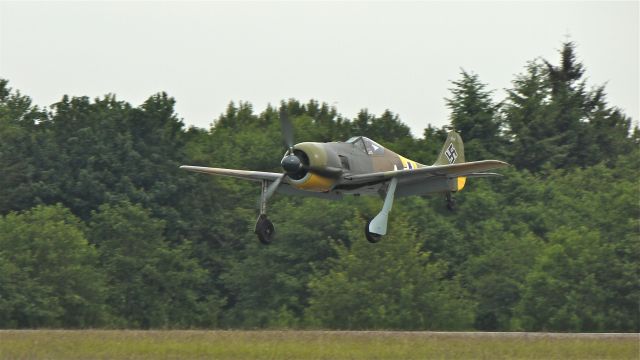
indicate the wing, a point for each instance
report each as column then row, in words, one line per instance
column 240, row 174
column 472, row 169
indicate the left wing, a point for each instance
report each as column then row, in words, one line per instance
column 453, row 170
column 239, row 174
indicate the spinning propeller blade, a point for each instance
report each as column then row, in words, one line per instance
column 287, row 135
column 287, row 130
column 273, row 187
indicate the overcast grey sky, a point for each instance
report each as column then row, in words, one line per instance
column 354, row 55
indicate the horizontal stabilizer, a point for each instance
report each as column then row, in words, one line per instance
column 478, row 175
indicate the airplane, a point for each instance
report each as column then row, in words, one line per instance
column 358, row 166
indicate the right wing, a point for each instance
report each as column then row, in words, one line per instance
column 239, row 174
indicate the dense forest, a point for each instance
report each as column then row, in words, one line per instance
column 99, row 227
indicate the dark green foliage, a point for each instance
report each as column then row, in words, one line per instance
column 389, row 285
column 474, row 116
column 268, row 285
column 48, row 271
column 149, row 284
column 586, row 277
column 20, row 150
column 553, row 120
column 100, row 228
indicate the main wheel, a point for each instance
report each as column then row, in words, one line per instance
column 265, row 230
column 371, row 237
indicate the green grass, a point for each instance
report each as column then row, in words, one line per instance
column 127, row 344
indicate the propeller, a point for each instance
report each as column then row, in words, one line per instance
column 287, row 129
column 273, row 187
column 290, row 163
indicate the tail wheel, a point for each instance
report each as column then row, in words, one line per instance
column 371, row 237
column 451, row 202
column 265, row 230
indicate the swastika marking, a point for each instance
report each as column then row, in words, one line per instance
column 451, row 154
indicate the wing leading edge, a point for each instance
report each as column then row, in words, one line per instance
column 239, row 174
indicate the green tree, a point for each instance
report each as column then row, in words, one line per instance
column 494, row 277
column 19, row 145
column 532, row 135
column 476, row 117
column 388, row 285
column 385, row 129
column 585, row 278
column 48, row 275
column 149, row 284
column 553, row 120
column 575, row 286
column 268, row 286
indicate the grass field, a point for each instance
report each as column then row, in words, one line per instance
column 128, row 344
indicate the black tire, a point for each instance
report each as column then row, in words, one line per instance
column 265, row 230
column 371, row 237
column 451, row 205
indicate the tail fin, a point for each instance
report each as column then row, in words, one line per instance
column 452, row 151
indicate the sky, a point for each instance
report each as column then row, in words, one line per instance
column 400, row 56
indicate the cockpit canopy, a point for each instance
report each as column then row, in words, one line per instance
column 366, row 145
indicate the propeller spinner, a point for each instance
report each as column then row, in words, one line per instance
column 291, row 164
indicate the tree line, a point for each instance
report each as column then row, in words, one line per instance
column 99, row 228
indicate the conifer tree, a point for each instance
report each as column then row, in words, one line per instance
column 554, row 120
column 476, row 117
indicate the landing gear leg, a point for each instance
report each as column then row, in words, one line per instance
column 451, row 202
column 264, row 227
column 377, row 227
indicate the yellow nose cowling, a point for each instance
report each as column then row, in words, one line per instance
column 314, row 182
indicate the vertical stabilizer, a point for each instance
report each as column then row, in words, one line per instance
column 452, row 151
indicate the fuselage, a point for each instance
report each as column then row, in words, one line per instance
column 325, row 163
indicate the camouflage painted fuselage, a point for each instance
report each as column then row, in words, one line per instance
column 360, row 155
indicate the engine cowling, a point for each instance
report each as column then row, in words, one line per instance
column 311, row 174
column 314, row 182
